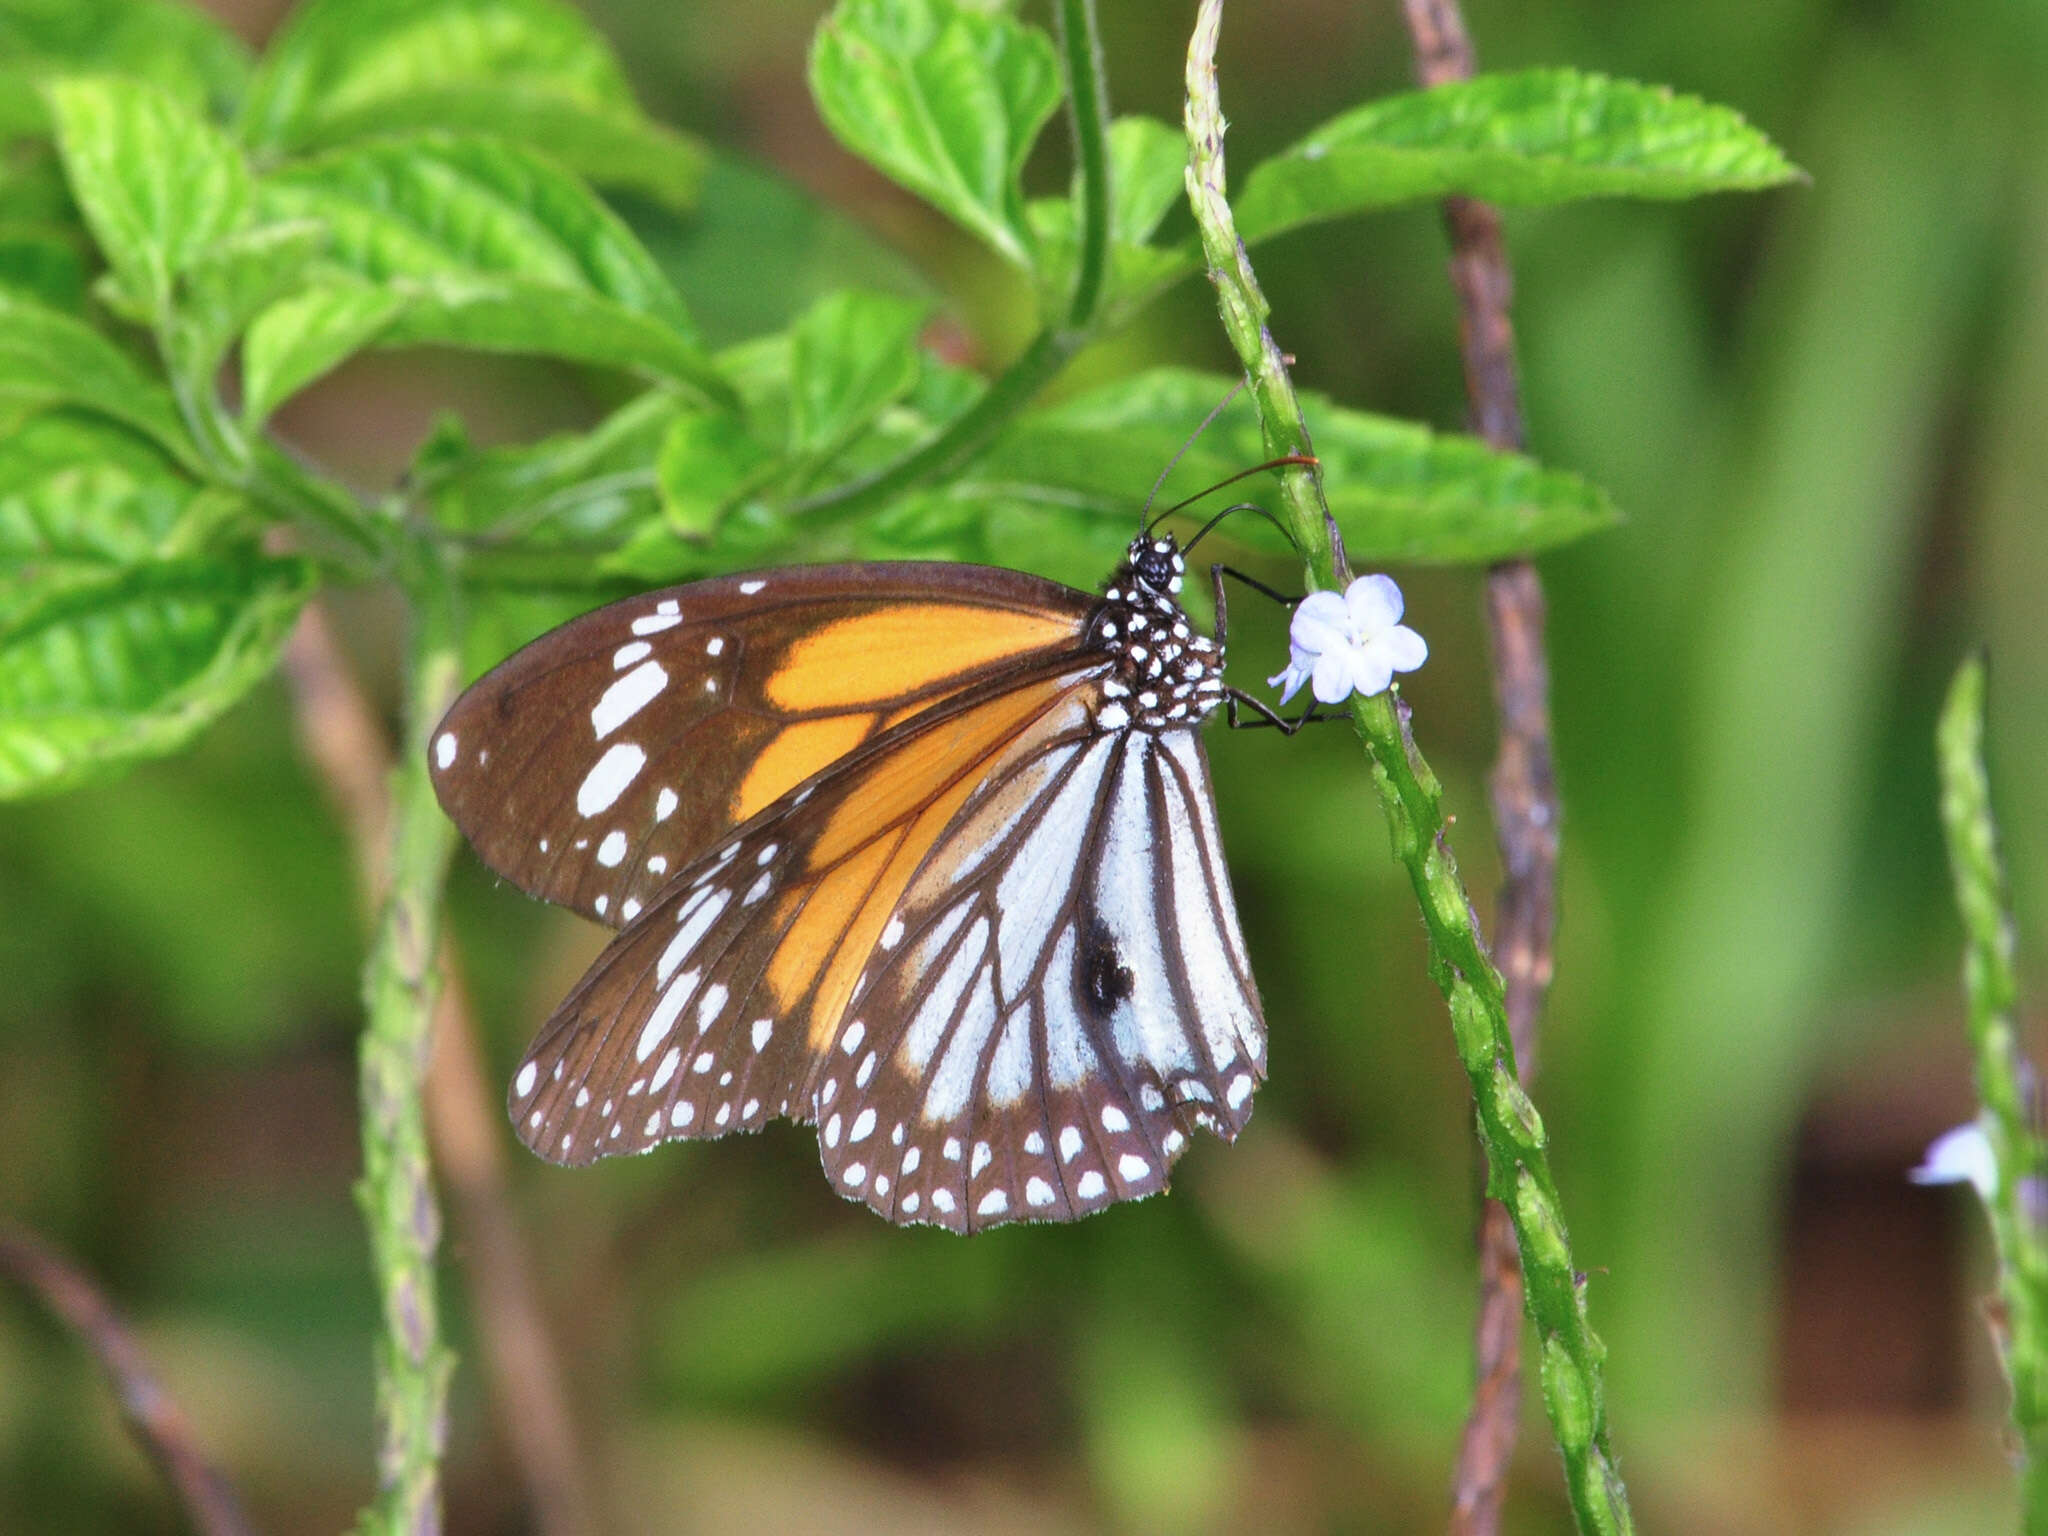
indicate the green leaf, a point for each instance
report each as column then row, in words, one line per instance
column 495, row 248
column 157, row 183
column 1147, row 170
column 944, row 98
column 531, row 72
column 32, row 186
column 1540, row 137
column 520, row 315
column 42, row 264
column 234, row 278
column 300, row 338
column 177, row 47
column 107, row 668
column 441, row 205
column 1400, row 492
column 706, row 461
column 758, row 250
column 853, row 355
column 50, row 359
column 78, row 491
column 577, row 490
column 750, row 535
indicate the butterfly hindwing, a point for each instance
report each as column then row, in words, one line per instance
column 1065, row 999
column 596, row 762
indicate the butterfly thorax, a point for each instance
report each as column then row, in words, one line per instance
column 1165, row 676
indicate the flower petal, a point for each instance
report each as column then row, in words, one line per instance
column 1290, row 677
column 1374, row 603
column 1333, row 676
column 1404, row 649
column 1319, row 626
column 1370, row 673
column 1324, row 607
column 1960, row 1156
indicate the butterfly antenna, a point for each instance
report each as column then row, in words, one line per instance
column 1145, row 512
column 1242, row 506
column 1307, row 460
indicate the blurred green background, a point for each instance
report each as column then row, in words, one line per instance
column 1826, row 411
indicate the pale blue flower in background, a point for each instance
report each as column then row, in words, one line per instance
column 1349, row 644
column 1960, row 1156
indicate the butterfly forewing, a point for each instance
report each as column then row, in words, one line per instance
column 595, row 763
column 711, row 1011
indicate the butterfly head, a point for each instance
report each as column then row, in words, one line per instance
column 1154, row 562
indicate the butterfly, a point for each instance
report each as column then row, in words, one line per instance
column 922, row 854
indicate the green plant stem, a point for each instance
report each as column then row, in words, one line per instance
column 961, row 440
column 1088, row 109
column 1511, row 1131
column 958, row 442
column 397, row 1192
column 2005, row 1080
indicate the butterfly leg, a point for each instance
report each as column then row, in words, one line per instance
column 1236, row 699
column 1217, row 573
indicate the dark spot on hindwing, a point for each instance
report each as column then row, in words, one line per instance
column 1105, row 979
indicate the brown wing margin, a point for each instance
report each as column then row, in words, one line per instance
column 599, row 760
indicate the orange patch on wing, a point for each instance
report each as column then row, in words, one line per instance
column 901, row 782
column 879, row 656
column 793, row 754
column 835, row 989
column 822, row 926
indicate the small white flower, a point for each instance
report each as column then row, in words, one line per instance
column 1349, row 644
column 1960, row 1156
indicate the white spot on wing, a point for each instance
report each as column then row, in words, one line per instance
column 655, row 623
column 627, row 697
column 1009, row 1070
column 664, row 804
column 707, row 1010
column 661, row 1021
column 994, row 1203
column 669, row 1062
column 697, row 925
column 444, row 750
column 528, row 1076
column 611, row 853
column 953, row 1081
column 609, row 777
